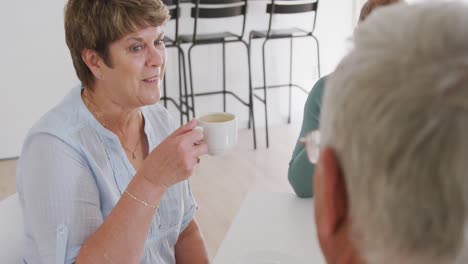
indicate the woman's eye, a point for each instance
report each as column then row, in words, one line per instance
column 136, row 48
column 158, row 42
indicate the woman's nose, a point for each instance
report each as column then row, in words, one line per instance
column 156, row 56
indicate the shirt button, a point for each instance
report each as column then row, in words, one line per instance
column 61, row 230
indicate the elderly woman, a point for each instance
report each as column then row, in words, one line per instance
column 300, row 168
column 102, row 177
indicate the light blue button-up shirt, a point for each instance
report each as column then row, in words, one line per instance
column 72, row 172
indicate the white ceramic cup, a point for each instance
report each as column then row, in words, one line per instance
column 219, row 132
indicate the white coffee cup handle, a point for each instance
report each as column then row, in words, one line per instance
column 199, row 128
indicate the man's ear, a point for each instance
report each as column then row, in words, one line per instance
column 94, row 62
column 334, row 196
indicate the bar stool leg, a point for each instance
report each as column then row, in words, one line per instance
column 181, row 104
column 251, row 100
column 224, row 76
column 290, row 77
column 265, row 102
column 184, row 96
column 164, row 93
column 318, row 56
column 249, row 52
column 192, row 95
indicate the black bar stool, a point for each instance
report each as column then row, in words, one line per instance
column 210, row 9
column 172, row 42
column 284, row 7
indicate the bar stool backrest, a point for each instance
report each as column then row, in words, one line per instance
column 174, row 12
column 207, row 9
column 291, row 7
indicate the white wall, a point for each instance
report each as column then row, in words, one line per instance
column 36, row 69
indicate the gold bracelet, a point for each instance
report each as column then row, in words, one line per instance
column 140, row 201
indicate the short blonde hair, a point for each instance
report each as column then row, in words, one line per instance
column 94, row 24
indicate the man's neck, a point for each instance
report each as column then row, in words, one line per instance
column 343, row 250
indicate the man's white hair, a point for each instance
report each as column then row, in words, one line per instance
column 396, row 113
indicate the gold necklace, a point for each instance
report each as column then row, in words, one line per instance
column 100, row 120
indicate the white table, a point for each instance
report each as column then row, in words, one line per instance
column 273, row 228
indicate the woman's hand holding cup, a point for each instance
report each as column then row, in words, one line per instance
column 174, row 159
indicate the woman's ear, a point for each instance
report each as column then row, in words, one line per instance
column 94, row 62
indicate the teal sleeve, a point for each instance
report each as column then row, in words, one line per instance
column 301, row 171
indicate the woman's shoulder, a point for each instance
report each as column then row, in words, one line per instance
column 62, row 120
column 314, row 98
column 319, row 87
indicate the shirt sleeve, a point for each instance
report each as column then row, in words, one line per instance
column 59, row 197
column 300, row 170
column 190, row 206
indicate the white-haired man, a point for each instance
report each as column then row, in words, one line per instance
column 392, row 179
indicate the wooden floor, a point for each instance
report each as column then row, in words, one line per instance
column 221, row 183
column 7, row 178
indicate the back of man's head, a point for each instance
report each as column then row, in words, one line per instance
column 395, row 114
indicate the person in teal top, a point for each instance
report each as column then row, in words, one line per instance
column 300, row 170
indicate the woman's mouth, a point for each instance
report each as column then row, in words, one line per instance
column 151, row 79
